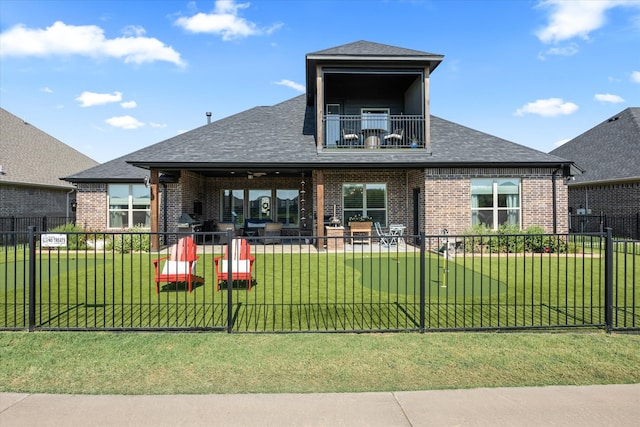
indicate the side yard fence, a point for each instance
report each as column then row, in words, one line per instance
column 107, row 281
column 11, row 226
column 622, row 226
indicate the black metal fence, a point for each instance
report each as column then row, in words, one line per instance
column 82, row 281
column 622, row 226
column 10, row 225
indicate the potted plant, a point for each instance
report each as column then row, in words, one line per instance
column 360, row 224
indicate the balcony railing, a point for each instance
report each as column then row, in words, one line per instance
column 370, row 131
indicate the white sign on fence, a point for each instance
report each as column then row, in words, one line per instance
column 53, row 240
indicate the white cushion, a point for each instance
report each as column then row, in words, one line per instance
column 177, row 267
column 255, row 224
column 238, row 266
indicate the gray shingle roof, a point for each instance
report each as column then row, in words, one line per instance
column 370, row 49
column 609, row 151
column 282, row 136
column 31, row 156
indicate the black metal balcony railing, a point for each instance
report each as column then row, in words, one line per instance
column 373, row 131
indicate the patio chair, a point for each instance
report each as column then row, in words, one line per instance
column 349, row 138
column 241, row 263
column 271, row 232
column 394, row 138
column 386, row 239
column 179, row 266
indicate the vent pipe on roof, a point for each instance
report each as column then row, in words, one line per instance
column 208, row 117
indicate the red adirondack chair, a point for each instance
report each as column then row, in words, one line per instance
column 180, row 265
column 241, row 263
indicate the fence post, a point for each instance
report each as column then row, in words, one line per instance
column 32, row 277
column 229, row 260
column 608, row 280
column 422, row 281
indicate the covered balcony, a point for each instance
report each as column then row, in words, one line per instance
column 374, row 109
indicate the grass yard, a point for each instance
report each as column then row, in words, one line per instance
column 326, row 291
column 187, row 363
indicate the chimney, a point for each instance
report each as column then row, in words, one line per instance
column 208, row 117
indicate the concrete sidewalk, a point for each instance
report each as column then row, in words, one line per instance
column 611, row 405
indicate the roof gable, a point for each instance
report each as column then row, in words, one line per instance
column 31, row 156
column 608, row 151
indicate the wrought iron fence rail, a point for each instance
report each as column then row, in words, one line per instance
column 424, row 283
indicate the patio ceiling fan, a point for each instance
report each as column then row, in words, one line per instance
column 251, row 175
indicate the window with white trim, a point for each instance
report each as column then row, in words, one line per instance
column 129, row 206
column 495, row 202
column 367, row 200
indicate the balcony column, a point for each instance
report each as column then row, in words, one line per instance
column 427, row 112
column 319, row 107
column 319, row 194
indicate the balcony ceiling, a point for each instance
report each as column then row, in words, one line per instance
column 349, row 85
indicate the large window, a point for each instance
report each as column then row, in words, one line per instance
column 129, row 206
column 233, row 206
column 495, row 202
column 288, row 207
column 366, row 200
column 280, row 205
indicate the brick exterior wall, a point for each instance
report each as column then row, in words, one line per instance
column 444, row 196
column 611, row 199
column 30, row 201
column 447, row 198
column 92, row 209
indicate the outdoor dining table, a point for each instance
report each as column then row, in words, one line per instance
column 372, row 137
column 396, row 231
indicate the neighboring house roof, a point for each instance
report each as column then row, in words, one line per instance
column 608, row 152
column 282, row 137
column 29, row 156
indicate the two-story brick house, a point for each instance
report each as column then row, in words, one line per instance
column 360, row 141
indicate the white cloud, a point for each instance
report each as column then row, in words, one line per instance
column 569, row 50
column 89, row 99
column 561, row 142
column 85, row 40
column 635, row 76
column 124, row 122
column 157, row 125
column 569, row 19
column 607, row 97
column 547, row 108
column 129, row 104
column 46, row 90
column 224, row 21
column 292, row 85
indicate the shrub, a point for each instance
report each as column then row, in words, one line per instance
column 535, row 240
column 508, row 239
column 480, row 237
column 136, row 239
column 75, row 238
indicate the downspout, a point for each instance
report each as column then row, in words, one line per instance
column 555, row 201
column 164, row 207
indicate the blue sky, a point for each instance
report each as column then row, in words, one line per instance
column 111, row 77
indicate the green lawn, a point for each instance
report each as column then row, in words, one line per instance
column 162, row 363
column 327, row 291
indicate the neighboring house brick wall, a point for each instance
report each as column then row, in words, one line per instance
column 28, row 201
column 612, row 199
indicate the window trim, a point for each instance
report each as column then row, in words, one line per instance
column 365, row 211
column 496, row 208
column 130, row 210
